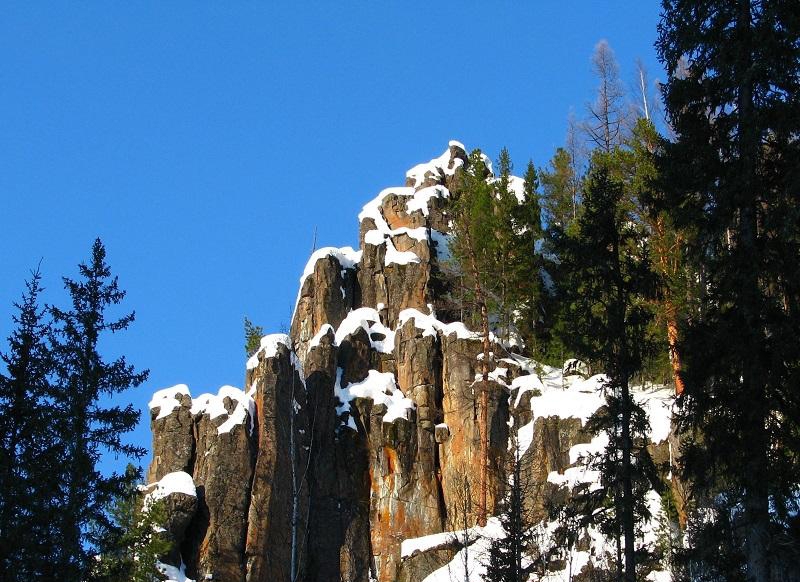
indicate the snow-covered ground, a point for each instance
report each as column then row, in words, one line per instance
column 554, row 394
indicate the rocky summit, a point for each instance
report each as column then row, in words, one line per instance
column 351, row 454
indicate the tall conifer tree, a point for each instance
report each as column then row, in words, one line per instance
column 731, row 178
column 89, row 427
column 473, row 246
column 559, row 194
column 527, row 265
column 508, row 559
column 606, row 284
column 29, row 445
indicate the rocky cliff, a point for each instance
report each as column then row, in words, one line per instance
column 352, row 448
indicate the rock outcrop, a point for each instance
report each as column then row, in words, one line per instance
column 358, row 430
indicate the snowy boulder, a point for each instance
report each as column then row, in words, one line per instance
column 171, row 424
column 438, row 169
column 442, row 432
column 177, row 492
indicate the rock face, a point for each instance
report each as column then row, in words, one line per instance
column 358, row 430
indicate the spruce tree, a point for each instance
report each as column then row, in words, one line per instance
column 505, row 243
column 606, row 284
column 527, row 266
column 559, row 195
column 473, row 248
column 508, row 555
column 731, row 179
column 252, row 337
column 129, row 550
column 84, row 382
column 638, row 171
column 29, row 445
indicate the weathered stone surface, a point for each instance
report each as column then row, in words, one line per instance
column 278, row 509
column 173, row 440
column 406, row 287
column 180, row 509
column 419, row 565
column 326, row 296
column 549, row 451
column 460, row 458
column 432, row 178
column 217, row 533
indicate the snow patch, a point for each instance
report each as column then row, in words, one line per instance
column 326, row 327
column 369, row 320
column 269, row 347
column 421, row 199
column 440, row 166
column 372, row 209
column 177, row 482
column 473, row 557
column 381, row 388
column 167, row 399
column 214, row 406
column 430, row 326
column 348, row 258
column 172, row 573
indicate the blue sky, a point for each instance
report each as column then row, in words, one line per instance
column 204, row 142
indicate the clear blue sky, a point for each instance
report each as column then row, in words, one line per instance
column 204, row 142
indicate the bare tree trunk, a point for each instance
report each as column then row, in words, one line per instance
column 672, row 341
column 668, row 266
column 627, row 486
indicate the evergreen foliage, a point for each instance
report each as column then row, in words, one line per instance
column 504, row 243
column 508, row 555
column 252, row 337
column 54, row 425
column 473, row 246
column 130, row 549
column 730, row 181
column 606, row 286
column 560, row 191
column 82, row 381
column 527, row 267
column 29, row 446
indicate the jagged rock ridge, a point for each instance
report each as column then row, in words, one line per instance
column 357, row 432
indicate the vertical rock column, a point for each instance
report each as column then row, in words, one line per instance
column 276, row 521
column 406, row 497
column 222, row 473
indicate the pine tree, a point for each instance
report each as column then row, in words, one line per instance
column 731, row 180
column 83, row 380
column 637, row 169
column 28, row 444
column 559, row 193
column 129, row 551
column 473, row 248
column 508, row 555
column 252, row 337
column 606, row 284
column 504, row 203
column 529, row 295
